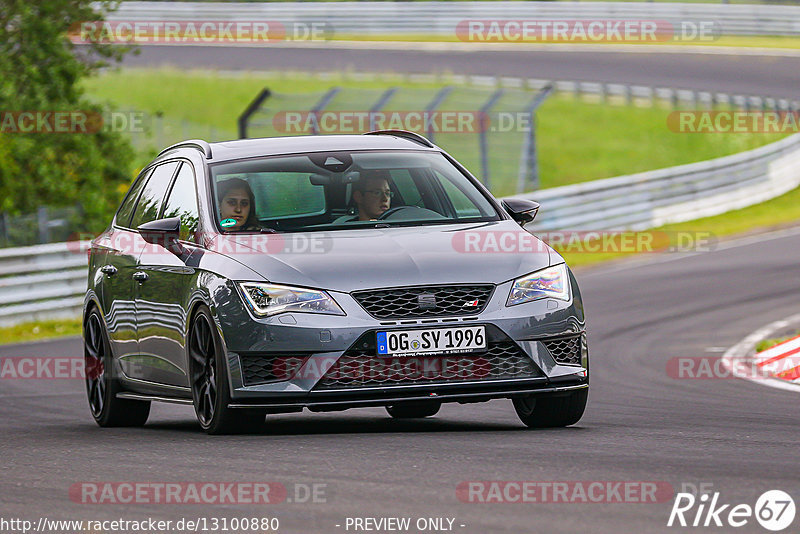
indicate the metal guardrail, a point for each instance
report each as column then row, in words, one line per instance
column 441, row 18
column 42, row 282
column 48, row 281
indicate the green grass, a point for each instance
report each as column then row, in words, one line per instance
column 769, row 343
column 577, row 140
column 40, row 330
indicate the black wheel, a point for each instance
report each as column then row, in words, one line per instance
column 545, row 411
column 101, row 385
column 210, row 391
column 414, row 410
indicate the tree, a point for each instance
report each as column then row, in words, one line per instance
column 40, row 72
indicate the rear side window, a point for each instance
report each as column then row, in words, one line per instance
column 126, row 209
column 182, row 202
column 152, row 197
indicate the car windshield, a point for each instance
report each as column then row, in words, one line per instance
column 344, row 190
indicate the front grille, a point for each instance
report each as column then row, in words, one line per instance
column 424, row 301
column 566, row 350
column 362, row 368
column 261, row 368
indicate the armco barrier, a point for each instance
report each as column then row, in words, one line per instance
column 41, row 282
column 48, row 281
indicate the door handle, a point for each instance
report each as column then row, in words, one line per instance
column 108, row 270
column 140, row 276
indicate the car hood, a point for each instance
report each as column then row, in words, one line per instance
column 349, row 260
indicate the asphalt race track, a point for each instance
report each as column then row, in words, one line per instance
column 734, row 73
column 641, row 424
column 733, row 436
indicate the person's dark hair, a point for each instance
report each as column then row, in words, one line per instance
column 226, row 186
column 370, row 176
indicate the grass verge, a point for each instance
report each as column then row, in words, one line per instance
column 40, row 330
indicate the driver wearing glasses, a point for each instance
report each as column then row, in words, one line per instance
column 372, row 195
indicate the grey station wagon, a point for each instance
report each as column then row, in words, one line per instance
column 265, row 276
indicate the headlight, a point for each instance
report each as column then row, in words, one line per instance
column 552, row 282
column 270, row 299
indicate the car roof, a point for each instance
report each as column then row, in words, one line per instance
column 272, row 146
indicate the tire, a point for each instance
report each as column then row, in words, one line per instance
column 414, row 410
column 548, row 411
column 101, row 384
column 209, row 382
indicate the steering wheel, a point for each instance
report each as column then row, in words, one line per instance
column 388, row 213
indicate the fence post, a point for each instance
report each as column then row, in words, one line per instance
column 485, row 125
column 435, row 103
column 254, row 106
column 378, row 105
column 4, row 222
column 323, row 102
column 44, row 229
column 530, row 165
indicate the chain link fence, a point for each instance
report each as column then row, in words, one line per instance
column 486, row 128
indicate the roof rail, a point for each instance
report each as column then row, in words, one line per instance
column 405, row 134
column 199, row 144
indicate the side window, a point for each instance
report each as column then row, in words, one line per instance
column 463, row 205
column 407, row 188
column 126, row 208
column 182, row 202
column 152, row 196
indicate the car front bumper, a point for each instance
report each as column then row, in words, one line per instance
column 315, row 343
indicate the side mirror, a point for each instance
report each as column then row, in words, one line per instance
column 164, row 232
column 521, row 210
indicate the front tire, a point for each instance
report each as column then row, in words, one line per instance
column 548, row 411
column 101, row 385
column 210, row 390
column 414, row 410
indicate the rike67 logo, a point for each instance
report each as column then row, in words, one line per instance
column 774, row 510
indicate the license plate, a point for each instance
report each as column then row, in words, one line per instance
column 431, row 342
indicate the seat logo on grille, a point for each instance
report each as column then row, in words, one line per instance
column 471, row 304
column 426, row 301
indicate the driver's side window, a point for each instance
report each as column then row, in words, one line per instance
column 152, row 197
column 182, row 202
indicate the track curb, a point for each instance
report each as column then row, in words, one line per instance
column 739, row 359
